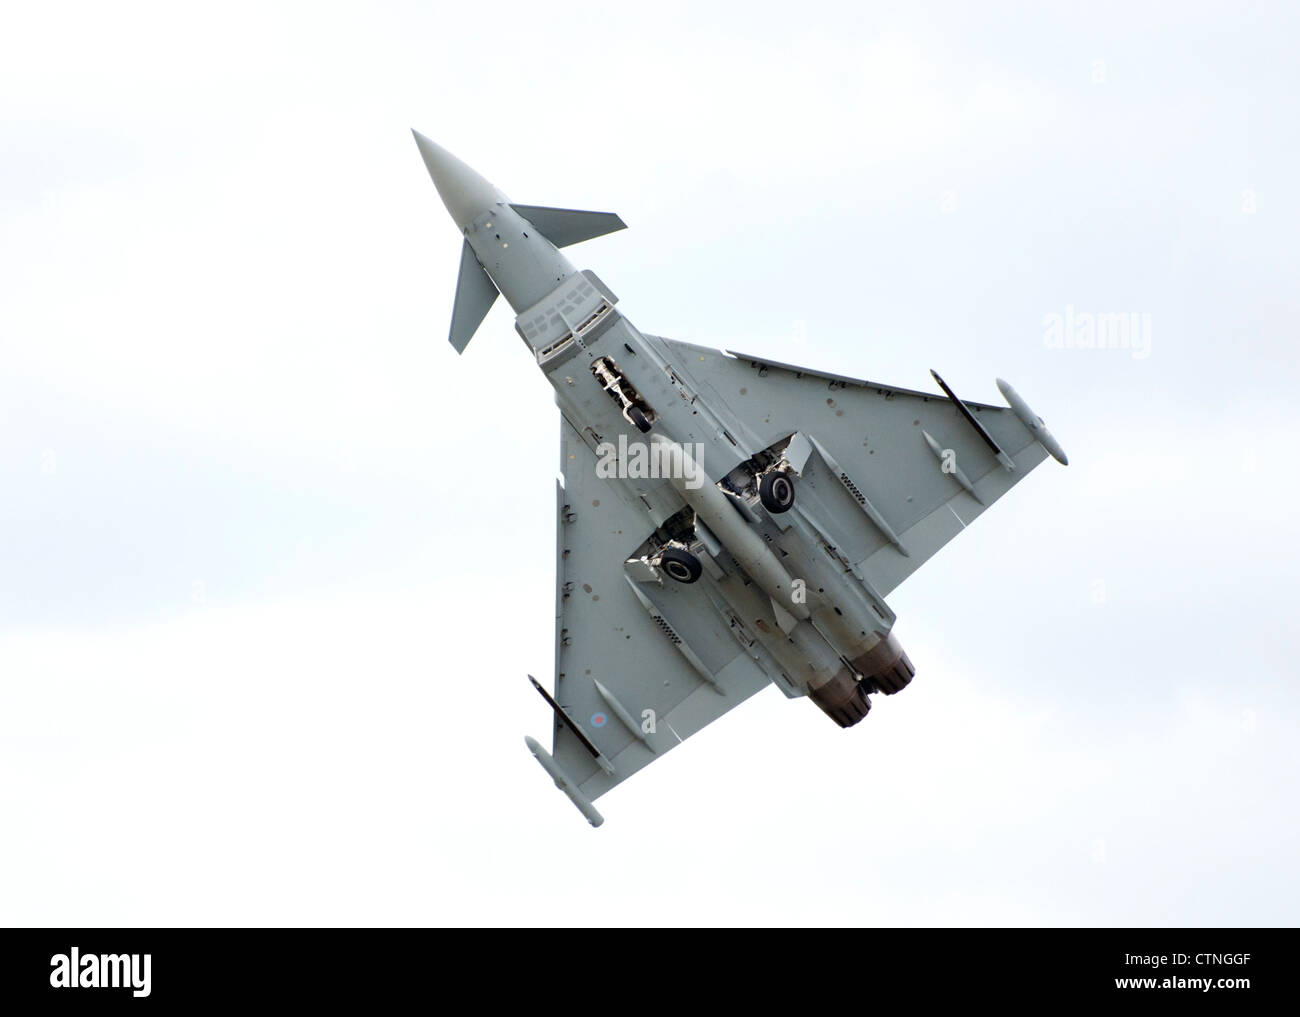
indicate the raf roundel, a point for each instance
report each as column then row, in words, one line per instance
column 597, row 720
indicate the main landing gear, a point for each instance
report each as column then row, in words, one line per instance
column 776, row 491
column 680, row 564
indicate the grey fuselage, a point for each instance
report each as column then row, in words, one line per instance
column 568, row 320
column 819, row 628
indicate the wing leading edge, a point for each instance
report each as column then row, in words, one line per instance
column 924, row 465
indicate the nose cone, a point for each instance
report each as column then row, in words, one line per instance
column 466, row 194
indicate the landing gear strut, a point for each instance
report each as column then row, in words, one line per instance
column 635, row 409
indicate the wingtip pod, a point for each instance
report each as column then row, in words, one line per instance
column 563, row 782
column 1033, row 422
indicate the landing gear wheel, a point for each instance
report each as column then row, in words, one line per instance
column 638, row 418
column 776, row 492
column 680, row 565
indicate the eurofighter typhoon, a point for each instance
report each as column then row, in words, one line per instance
column 723, row 521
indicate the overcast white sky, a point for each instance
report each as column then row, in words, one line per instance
column 274, row 561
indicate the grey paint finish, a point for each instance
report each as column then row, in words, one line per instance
column 464, row 192
column 606, row 635
column 567, row 226
column 524, row 274
column 475, row 294
column 876, row 435
column 792, row 594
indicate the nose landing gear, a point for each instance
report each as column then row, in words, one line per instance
column 638, row 419
column 636, row 411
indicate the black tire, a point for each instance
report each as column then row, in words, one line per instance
column 776, row 492
column 638, row 418
column 680, row 565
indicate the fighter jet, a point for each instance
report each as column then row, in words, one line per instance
column 723, row 521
